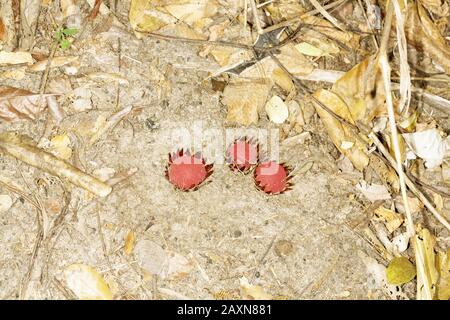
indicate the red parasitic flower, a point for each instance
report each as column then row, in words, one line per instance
column 272, row 177
column 187, row 172
column 242, row 155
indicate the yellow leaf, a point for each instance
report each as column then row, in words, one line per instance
column 427, row 277
column 443, row 287
column 392, row 219
column 147, row 16
column 253, row 292
column 87, row 283
column 130, row 240
column 191, row 11
column 399, row 271
column 362, row 90
column 310, row 50
column 60, row 146
column 338, row 132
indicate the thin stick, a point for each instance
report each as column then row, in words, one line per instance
column 256, row 17
column 326, row 15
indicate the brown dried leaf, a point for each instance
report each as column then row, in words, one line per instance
column 244, row 101
column 3, row 33
column 423, row 34
column 16, row 103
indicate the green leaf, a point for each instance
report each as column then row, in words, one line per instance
column 399, row 271
column 70, row 31
column 65, row 44
column 58, row 35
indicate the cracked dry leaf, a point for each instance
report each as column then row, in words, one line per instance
column 427, row 278
column 443, row 287
column 17, row 103
column 338, row 132
column 244, row 100
column 400, row 271
column 422, row 33
column 87, row 283
column 149, row 16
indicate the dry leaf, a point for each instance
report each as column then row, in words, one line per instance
column 17, row 57
column 374, row 192
column 87, row 283
column 16, row 103
column 191, row 11
column 60, row 146
column 443, row 287
column 244, row 100
column 155, row 260
column 146, row 16
column 356, row 88
column 5, row 202
column 56, row 62
column 3, row 33
column 338, row 132
column 129, row 242
column 276, row 110
column 323, row 26
column 423, row 34
column 310, row 50
column 391, row 219
column 15, row 74
column 428, row 145
column 399, row 271
column 438, row 7
column 427, row 278
column 253, row 292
